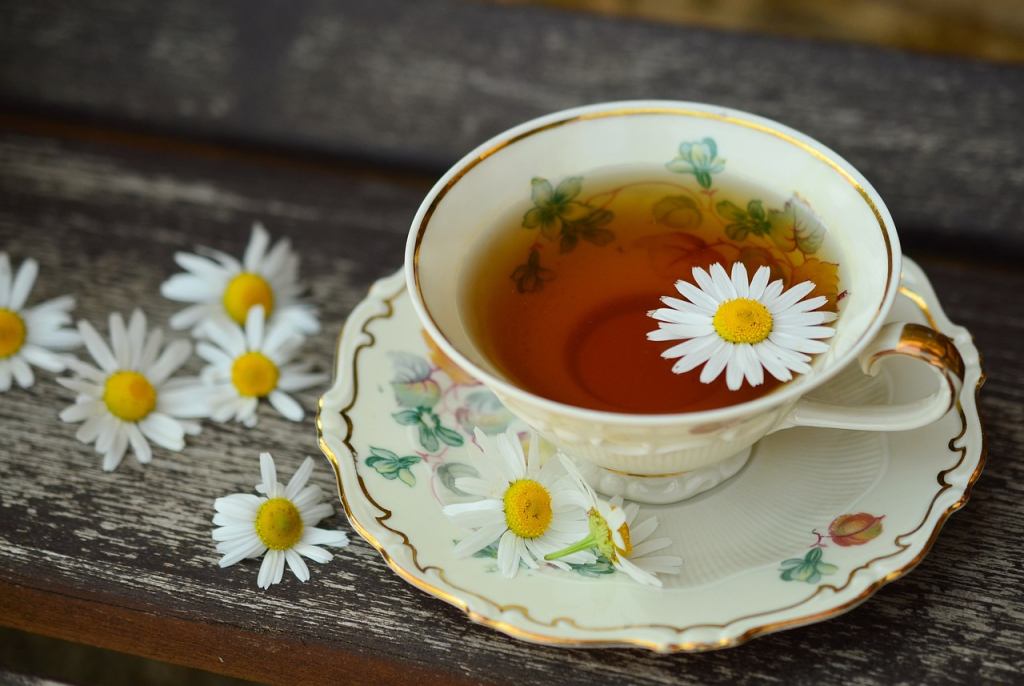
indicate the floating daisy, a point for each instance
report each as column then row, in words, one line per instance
column 130, row 398
column 280, row 524
column 246, row 365
column 31, row 335
column 531, row 510
column 223, row 289
column 742, row 327
column 621, row 541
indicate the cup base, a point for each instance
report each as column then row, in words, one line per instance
column 661, row 490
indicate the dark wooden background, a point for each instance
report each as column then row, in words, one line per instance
column 131, row 130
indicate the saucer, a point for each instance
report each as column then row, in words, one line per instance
column 814, row 523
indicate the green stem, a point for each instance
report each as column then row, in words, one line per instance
column 585, row 544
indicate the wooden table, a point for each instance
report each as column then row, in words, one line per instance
column 131, row 131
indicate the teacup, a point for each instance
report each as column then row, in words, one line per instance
column 663, row 458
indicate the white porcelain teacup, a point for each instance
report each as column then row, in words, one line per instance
column 668, row 457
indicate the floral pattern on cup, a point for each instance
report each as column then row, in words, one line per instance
column 699, row 158
column 562, row 219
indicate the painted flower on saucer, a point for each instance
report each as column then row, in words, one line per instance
column 252, row 363
column 614, row 533
column 130, row 398
column 529, row 509
column 31, row 335
column 742, row 327
column 222, row 289
column 280, row 523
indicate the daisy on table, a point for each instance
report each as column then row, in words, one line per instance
column 252, row 363
column 613, row 531
column 742, row 327
column 529, row 509
column 129, row 399
column 224, row 289
column 31, row 335
column 280, row 524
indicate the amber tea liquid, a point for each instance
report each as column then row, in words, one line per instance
column 559, row 291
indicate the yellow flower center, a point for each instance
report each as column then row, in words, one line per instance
column 528, row 508
column 743, row 321
column 129, row 396
column 279, row 524
column 254, row 375
column 603, row 537
column 244, row 291
column 12, row 333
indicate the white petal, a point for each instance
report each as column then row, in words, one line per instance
column 791, row 296
column 22, row 372
column 5, row 376
column 23, row 283
column 758, row 283
column 140, row 446
column 297, row 565
column 201, row 266
column 97, row 347
column 255, row 318
column 242, row 506
column 798, row 344
column 251, row 548
column 290, row 381
column 478, row 540
column 268, row 472
column 695, row 295
column 257, row 247
column 299, row 479
column 5, row 281
column 312, row 552
column 82, row 411
column 115, row 454
column 313, row 537
column 637, row 574
column 171, row 360
column 188, row 317
column 119, row 341
column 42, row 358
column 508, row 555
column 268, row 575
column 723, row 284
column 709, row 284
column 163, row 430
column 694, row 359
column 89, row 431
column 286, row 405
column 716, row 363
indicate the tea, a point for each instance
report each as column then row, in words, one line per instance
column 560, row 291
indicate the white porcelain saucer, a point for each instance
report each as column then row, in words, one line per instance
column 813, row 524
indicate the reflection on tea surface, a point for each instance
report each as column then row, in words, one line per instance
column 558, row 292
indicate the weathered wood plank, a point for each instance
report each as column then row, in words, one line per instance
column 132, row 549
column 419, row 84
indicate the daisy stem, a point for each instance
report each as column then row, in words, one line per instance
column 585, row 544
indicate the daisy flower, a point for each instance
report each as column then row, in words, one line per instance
column 622, row 542
column 30, row 335
column 280, row 524
column 531, row 510
column 742, row 327
column 246, row 365
column 223, row 289
column 130, row 397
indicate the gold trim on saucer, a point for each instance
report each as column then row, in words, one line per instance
column 417, row 577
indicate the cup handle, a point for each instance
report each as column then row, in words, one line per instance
column 898, row 338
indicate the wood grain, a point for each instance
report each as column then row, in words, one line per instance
column 125, row 560
column 416, row 85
